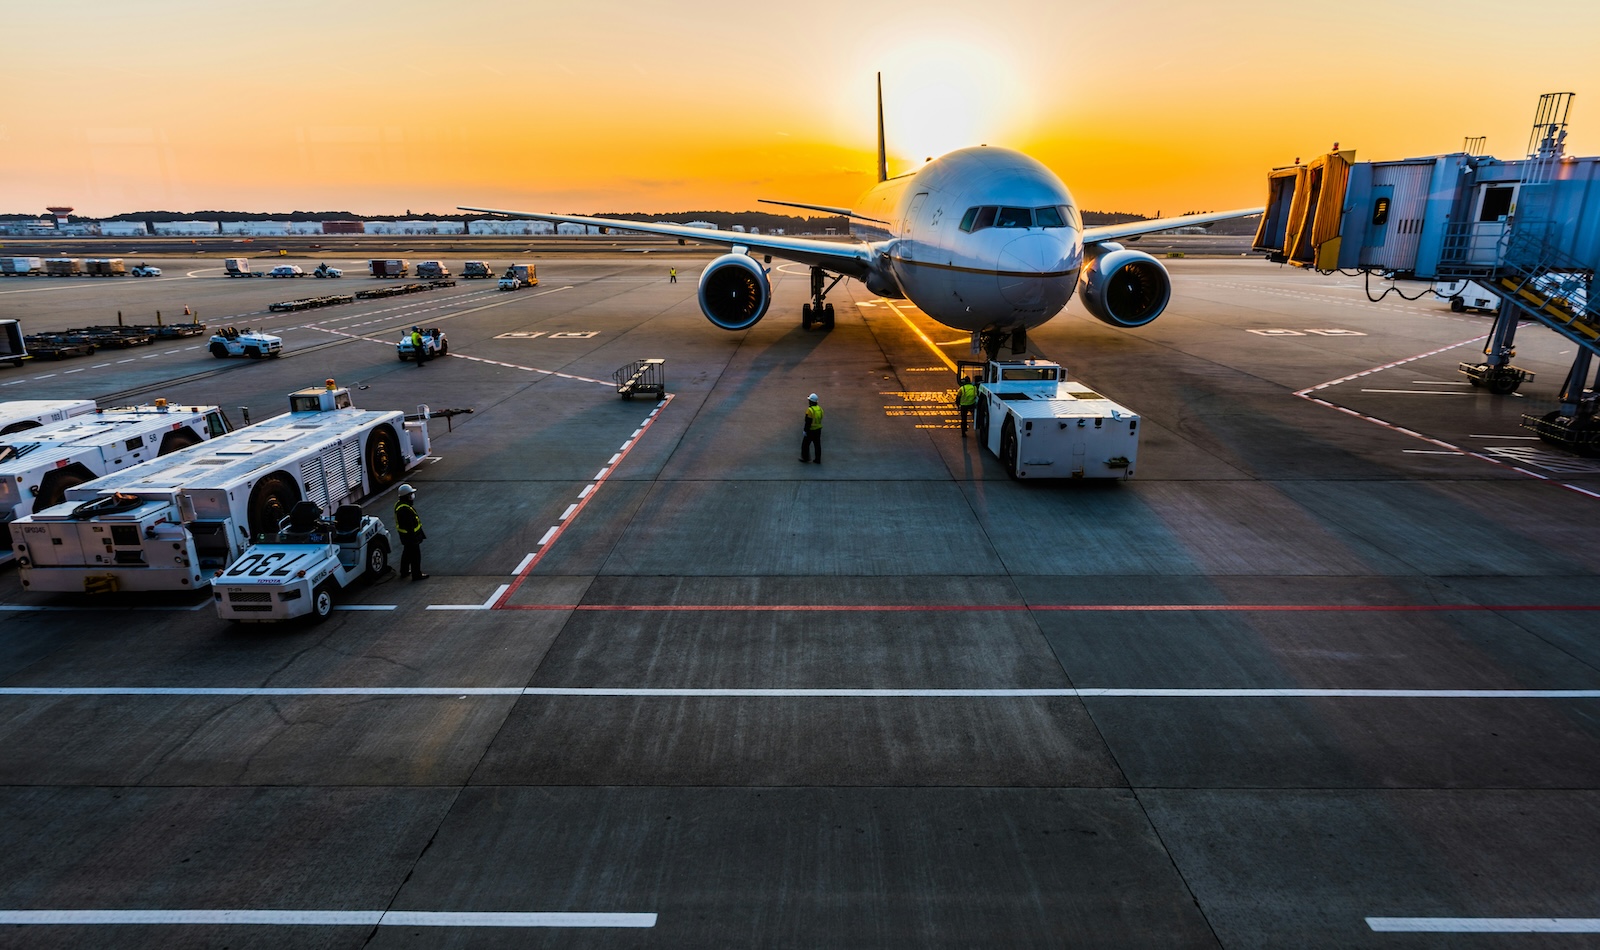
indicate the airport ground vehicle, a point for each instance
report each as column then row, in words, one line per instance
column 286, row 270
column 63, row 267
column 231, row 341
column 1041, row 426
column 323, row 270
column 432, row 270
column 20, row 266
column 527, row 273
column 1467, row 295
column 22, row 414
column 303, row 568
column 434, row 345
column 239, row 267
column 509, row 283
column 171, row 523
column 388, row 268
column 476, row 269
column 145, row 270
column 37, row 466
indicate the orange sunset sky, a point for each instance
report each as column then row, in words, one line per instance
column 1140, row 105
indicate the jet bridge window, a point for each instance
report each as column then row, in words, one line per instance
column 1496, row 203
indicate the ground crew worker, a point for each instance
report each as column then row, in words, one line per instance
column 417, row 351
column 409, row 527
column 672, row 275
column 966, row 399
column 813, row 431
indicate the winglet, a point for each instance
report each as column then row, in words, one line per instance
column 883, row 156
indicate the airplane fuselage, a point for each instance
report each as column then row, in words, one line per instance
column 979, row 239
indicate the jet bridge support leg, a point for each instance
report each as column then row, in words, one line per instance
column 817, row 311
column 1576, row 425
column 1496, row 373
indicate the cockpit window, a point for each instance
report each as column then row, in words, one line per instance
column 1014, row 218
column 992, row 216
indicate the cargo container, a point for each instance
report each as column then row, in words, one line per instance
column 389, row 268
column 239, row 267
column 105, row 267
column 13, row 348
column 173, row 523
column 20, row 266
column 476, row 269
column 432, row 270
column 63, row 267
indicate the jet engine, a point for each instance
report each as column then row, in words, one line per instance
column 1121, row 287
column 735, row 292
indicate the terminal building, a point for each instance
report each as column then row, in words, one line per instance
column 1525, row 232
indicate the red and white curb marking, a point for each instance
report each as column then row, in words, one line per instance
column 1454, row 449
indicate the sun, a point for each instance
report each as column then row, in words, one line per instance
column 943, row 94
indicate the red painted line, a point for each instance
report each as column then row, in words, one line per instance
column 566, row 522
column 1116, row 608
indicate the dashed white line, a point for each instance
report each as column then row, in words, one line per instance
column 1067, row 692
column 71, row 371
column 614, row 459
column 586, row 490
column 568, row 513
column 323, row 918
column 483, row 606
column 100, row 365
column 523, row 563
column 543, row 541
column 1485, row 925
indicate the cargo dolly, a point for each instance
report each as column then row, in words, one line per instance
column 642, row 378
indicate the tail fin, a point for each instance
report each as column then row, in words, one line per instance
column 883, row 156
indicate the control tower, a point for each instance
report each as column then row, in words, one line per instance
column 60, row 213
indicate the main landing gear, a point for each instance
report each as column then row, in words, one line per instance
column 991, row 340
column 818, row 313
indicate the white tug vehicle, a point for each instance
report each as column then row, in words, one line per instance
column 1041, row 426
column 301, row 571
column 171, row 523
column 231, row 341
column 434, row 344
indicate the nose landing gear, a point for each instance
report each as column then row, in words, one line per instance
column 817, row 312
column 992, row 340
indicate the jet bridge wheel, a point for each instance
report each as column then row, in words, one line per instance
column 385, row 464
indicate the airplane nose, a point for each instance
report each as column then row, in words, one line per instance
column 1024, row 264
column 1035, row 254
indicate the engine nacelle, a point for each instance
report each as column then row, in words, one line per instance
column 735, row 292
column 1121, row 287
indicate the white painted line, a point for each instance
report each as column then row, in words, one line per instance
column 324, row 918
column 99, row 365
column 365, row 606
column 1429, row 452
column 601, row 474
column 128, row 360
column 635, row 434
column 48, row 375
column 626, row 444
column 483, row 606
column 495, row 596
column 614, row 458
column 14, row 382
column 1519, row 438
column 568, row 513
column 71, row 371
column 1485, row 925
column 1418, row 392
column 1090, row 692
column 523, row 564
column 586, row 490
column 547, row 536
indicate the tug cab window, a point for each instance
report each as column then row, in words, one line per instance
column 1029, row 374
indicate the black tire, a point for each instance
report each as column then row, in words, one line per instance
column 444, row 347
column 20, row 426
column 178, row 439
column 1457, row 305
column 53, row 486
column 385, row 463
column 805, row 316
column 219, row 351
column 321, row 603
column 275, row 354
column 270, row 502
column 252, row 352
column 980, row 421
column 1503, row 384
column 377, row 559
column 827, row 316
column 1008, row 448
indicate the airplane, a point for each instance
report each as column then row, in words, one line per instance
column 984, row 240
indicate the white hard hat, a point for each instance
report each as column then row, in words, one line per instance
column 407, row 490
column 812, row 397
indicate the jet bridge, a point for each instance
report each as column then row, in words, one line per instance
column 1527, row 230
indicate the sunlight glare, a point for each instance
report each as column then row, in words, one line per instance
column 941, row 95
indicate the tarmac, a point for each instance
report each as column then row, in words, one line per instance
column 1324, row 673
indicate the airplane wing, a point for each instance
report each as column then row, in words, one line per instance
column 1114, row 232
column 842, row 257
column 826, row 209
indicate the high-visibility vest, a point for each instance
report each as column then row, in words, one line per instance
column 813, row 417
column 966, row 395
column 416, row 342
column 406, row 521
